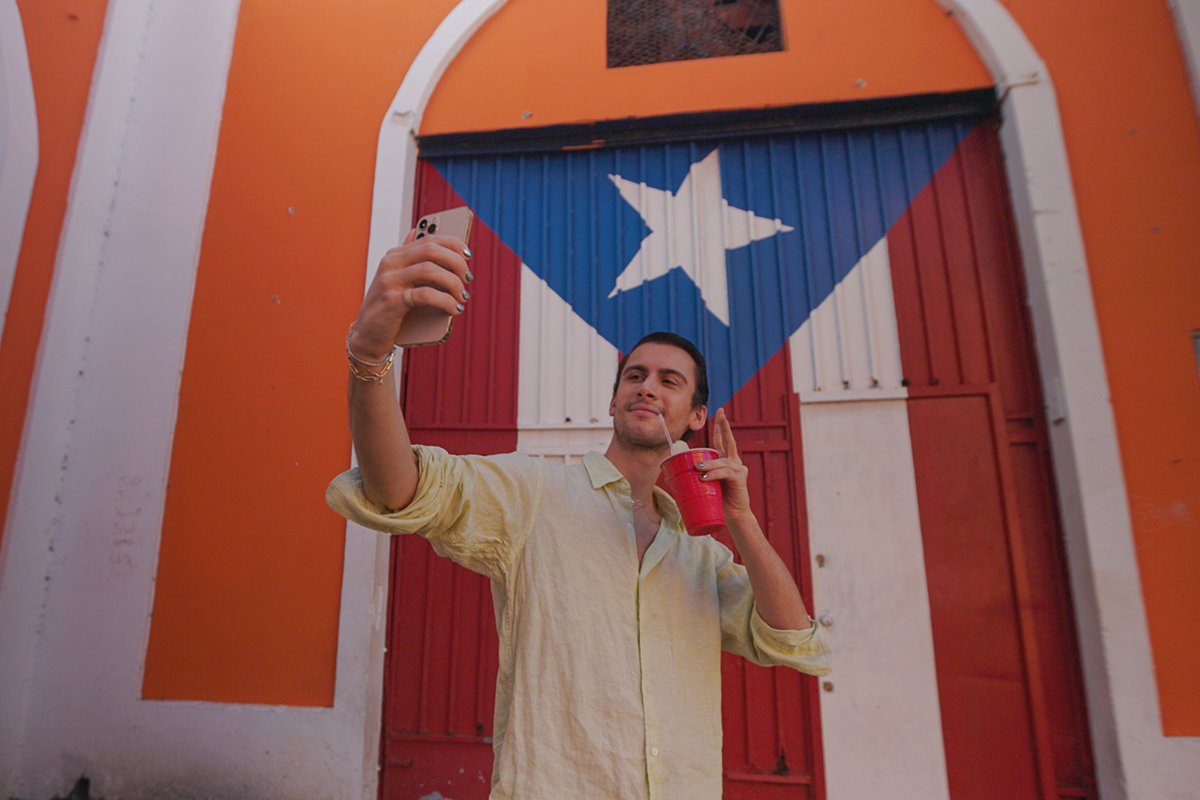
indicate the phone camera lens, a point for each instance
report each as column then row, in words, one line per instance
column 433, row 228
column 422, row 224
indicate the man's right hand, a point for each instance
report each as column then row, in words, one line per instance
column 430, row 271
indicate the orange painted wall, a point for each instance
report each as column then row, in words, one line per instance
column 249, row 580
column 61, row 37
column 1134, row 149
column 546, row 59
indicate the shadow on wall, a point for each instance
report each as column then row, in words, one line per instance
column 81, row 791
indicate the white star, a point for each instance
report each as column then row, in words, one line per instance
column 690, row 229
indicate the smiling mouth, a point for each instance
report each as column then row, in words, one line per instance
column 644, row 409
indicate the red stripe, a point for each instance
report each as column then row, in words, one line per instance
column 440, row 674
column 462, row 395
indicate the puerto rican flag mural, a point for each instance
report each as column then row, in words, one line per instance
column 859, row 271
column 732, row 244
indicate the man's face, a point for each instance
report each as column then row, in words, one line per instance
column 657, row 378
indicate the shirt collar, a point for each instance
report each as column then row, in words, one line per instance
column 603, row 472
column 600, row 470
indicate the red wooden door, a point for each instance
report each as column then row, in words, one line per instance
column 1007, row 666
column 1013, row 714
column 771, row 719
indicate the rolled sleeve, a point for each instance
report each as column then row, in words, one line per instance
column 805, row 650
column 744, row 633
column 471, row 509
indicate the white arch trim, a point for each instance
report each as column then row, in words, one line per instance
column 367, row 553
column 1133, row 758
column 18, row 146
column 396, row 155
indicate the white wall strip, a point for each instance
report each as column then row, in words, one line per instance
column 396, row 153
column 81, row 555
column 881, row 722
column 18, row 146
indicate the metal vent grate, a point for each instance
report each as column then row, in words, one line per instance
column 654, row 31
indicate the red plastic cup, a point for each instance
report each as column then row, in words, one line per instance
column 700, row 502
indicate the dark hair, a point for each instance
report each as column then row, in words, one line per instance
column 700, row 395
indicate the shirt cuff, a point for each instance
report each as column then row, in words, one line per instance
column 804, row 649
column 345, row 495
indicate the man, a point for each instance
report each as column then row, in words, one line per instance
column 611, row 617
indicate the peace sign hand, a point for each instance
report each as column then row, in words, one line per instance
column 728, row 467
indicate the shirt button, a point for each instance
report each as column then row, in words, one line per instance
column 654, row 752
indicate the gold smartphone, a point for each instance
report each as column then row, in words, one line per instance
column 425, row 325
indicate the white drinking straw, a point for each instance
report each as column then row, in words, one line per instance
column 667, row 431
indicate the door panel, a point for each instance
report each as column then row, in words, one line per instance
column 986, row 720
column 1013, row 713
column 772, row 728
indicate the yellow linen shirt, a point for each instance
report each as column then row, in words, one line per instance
column 609, row 683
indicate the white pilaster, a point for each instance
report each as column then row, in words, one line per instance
column 18, row 146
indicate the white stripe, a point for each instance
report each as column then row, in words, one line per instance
column 849, row 348
column 881, row 722
column 566, row 375
column 84, row 525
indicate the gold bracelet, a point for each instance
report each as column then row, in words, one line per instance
column 364, row 370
